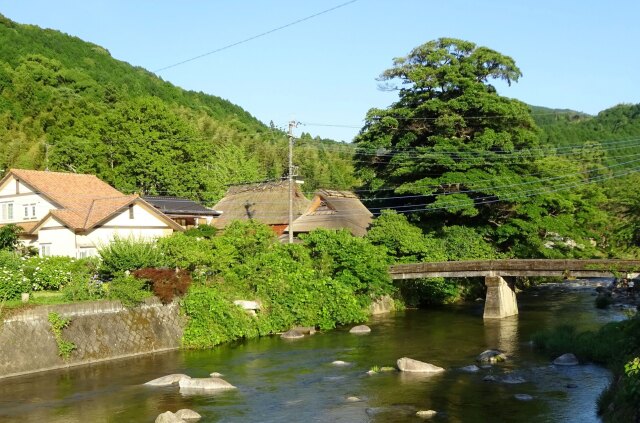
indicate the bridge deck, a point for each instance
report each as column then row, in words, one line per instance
column 517, row 267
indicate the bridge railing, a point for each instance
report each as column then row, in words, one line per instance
column 517, row 267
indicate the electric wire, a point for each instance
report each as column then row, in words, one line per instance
column 262, row 34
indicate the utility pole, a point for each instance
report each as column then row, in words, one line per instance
column 292, row 124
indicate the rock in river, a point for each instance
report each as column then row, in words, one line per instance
column 491, row 356
column 188, row 415
column 470, row 369
column 292, row 334
column 567, row 359
column 167, row 380
column 410, row 365
column 426, row 414
column 168, row 417
column 513, row 379
column 360, row 329
column 208, row 384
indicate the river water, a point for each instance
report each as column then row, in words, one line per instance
column 294, row 381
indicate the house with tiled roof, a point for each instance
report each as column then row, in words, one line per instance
column 187, row 213
column 69, row 214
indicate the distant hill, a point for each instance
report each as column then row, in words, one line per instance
column 617, row 129
column 66, row 104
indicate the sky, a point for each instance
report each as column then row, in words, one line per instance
column 580, row 55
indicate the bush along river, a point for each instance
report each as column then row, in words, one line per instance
column 297, row 380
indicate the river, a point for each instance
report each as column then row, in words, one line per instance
column 294, row 381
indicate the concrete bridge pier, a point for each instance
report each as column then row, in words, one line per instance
column 501, row 299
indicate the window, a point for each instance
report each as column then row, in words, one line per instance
column 29, row 211
column 130, row 211
column 6, row 211
column 85, row 252
column 45, row 250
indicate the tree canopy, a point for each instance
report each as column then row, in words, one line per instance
column 454, row 152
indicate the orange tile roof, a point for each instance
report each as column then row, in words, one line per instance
column 84, row 200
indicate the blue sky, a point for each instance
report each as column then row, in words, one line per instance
column 581, row 55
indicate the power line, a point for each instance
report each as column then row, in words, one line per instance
column 475, row 190
column 378, row 118
column 262, row 34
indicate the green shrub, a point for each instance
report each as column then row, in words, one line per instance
column 187, row 252
column 12, row 279
column 353, row 261
column 9, row 237
column 126, row 254
column 213, row 319
column 49, row 273
column 128, row 290
column 84, row 283
column 202, row 231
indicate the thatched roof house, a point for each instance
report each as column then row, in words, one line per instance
column 266, row 202
column 334, row 210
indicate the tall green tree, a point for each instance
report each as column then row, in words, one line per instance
column 449, row 131
column 452, row 151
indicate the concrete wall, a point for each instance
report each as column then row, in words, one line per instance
column 101, row 330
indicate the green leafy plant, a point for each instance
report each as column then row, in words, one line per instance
column 10, row 237
column 49, row 273
column 127, row 254
column 632, row 372
column 128, row 290
column 12, row 279
column 57, row 324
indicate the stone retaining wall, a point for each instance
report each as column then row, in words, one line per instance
column 101, row 330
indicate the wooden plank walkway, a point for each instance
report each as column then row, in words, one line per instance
column 517, row 267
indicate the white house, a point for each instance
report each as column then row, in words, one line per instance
column 68, row 214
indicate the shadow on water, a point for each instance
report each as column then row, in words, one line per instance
column 286, row 381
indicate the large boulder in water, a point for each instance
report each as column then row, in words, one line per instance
column 207, row 384
column 167, row 380
column 414, row 366
column 188, row 415
column 292, row 334
column 168, row 417
column 491, row 356
column 567, row 359
column 426, row 414
column 360, row 329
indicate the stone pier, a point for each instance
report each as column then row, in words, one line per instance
column 501, row 300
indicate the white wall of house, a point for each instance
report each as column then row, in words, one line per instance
column 18, row 203
column 57, row 240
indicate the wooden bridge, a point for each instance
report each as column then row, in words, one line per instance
column 501, row 299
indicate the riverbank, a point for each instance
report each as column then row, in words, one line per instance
column 615, row 346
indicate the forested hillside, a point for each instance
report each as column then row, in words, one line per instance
column 66, row 104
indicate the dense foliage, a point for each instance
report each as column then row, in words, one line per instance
column 313, row 284
column 459, row 157
column 68, row 105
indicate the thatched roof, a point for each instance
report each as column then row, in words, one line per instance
column 266, row 202
column 334, row 210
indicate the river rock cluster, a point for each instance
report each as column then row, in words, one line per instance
column 188, row 385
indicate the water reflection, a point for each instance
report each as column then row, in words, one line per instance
column 502, row 334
